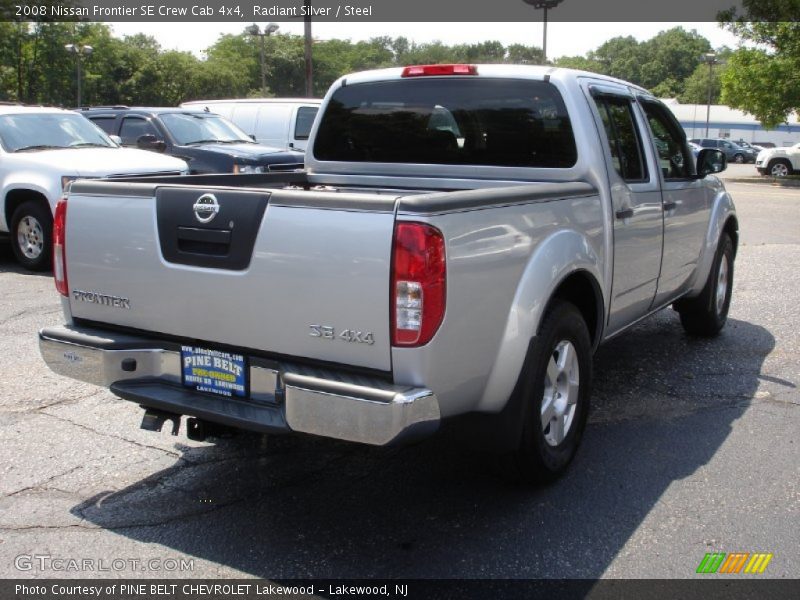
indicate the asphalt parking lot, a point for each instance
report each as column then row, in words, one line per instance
column 693, row 446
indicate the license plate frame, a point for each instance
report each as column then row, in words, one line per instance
column 217, row 372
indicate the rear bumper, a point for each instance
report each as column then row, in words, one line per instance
column 283, row 397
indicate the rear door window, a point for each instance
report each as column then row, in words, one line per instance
column 623, row 136
column 107, row 124
column 456, row 121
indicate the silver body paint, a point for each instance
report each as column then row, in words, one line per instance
column 323, row 256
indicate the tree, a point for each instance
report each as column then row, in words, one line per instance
column 619, row 57
column 520, row 54
column 581, row 63
column 764, row 80
column 661, row 64
column 695, row 87
column 670, row 57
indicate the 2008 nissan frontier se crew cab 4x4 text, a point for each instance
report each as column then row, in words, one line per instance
column 462, row 239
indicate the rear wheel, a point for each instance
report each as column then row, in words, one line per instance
column 780, row 168
column 706, row 315
column 555, row 394
column 32, row 235
column 738, row 158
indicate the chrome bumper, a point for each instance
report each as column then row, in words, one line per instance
column 283, row 397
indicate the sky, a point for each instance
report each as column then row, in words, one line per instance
column 563, row 39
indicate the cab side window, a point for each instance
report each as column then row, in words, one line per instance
column 623, row 136
column 135, row 127
column 674, row 157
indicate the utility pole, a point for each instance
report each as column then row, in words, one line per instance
column 307, row 47
column 79, row 51
column 268, row 30
column 546, row 5
column 711, row 59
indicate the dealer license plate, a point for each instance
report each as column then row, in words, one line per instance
column 214, row 371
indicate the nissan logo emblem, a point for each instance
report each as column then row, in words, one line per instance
column 206, row 208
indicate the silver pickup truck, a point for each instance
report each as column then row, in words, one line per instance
column 462, row 239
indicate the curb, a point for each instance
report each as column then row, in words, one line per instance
column 765, row 181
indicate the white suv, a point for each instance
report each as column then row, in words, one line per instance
column 779, row 162
column 43, row 149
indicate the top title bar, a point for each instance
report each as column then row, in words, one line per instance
column 353, row 11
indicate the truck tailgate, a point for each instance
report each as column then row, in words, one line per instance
column 291, row 272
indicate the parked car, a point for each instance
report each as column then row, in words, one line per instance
column 279, row 122
column 208, row 142
column 695, row 148
column 733, row 152
column 754, row 147
column 424, row 266
column 41, row 151
column 779, row 162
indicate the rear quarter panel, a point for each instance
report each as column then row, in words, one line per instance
column 503, row 264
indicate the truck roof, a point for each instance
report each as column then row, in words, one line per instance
column 257, row 101
column 489, row 70
column 15, row 109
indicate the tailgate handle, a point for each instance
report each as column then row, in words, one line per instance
column 213, row 242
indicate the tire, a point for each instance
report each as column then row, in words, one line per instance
column 32, row 235
column 706, row 315
column 780, row 168
column 738, row 158
column 564, row 349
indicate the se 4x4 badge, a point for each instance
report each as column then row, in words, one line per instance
column 327, row 332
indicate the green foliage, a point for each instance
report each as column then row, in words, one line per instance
column 661, row 64
column 580, row 62
column 762, row 84
column 35, row 68
column 695, row 87
column 764, row 80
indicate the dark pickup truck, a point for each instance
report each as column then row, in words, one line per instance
column 208, row 142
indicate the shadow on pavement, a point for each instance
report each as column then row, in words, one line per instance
column 300, row 507
column 8, row 264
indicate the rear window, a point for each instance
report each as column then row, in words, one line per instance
column 455, row 121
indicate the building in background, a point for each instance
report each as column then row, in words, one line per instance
column 732, row 124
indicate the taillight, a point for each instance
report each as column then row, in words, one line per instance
column 59, row 248
column 418, row 283
column 423, row 70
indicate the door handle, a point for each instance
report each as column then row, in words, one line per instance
column 625, row 213
column 669, row 206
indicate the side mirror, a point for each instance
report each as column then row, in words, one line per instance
column 116, row 139
column 253, row 136
column 150, row 142
column 710, row 161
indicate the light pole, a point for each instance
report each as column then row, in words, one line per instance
column 78, row 50
column 268, row 30
column 711, row 59
column 546, row 5
column 307, row 41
